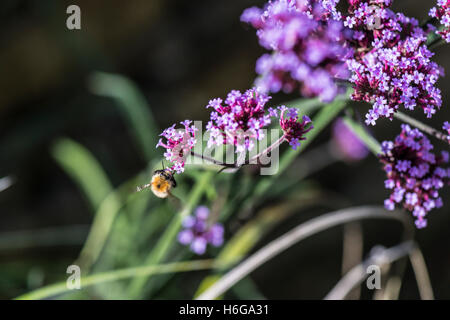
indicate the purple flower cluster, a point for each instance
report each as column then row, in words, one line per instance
column 442, row 13
column 414, row 173
column 391, row 65
column 198, row 232
column 349, row 146
column 239, row 120
column 294, row 130
column 307, row 43
column 178, row 144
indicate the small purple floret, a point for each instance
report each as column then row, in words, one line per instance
column 198, row 231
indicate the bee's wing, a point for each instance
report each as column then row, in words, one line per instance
column 175, row 201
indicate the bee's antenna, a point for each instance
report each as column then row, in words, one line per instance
column 162, row 163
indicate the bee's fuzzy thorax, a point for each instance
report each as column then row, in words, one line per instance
column 161, row 184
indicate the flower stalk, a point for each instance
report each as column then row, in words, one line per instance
column 422, row 126
column 236, row 165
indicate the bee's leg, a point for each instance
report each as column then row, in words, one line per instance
column 221, row 170
column 140, row 188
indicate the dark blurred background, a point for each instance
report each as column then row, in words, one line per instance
column 180, row 54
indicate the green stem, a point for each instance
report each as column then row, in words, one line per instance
column 325, row 116
column 437, row 42
column 276, row 144
column 236, row 165
column 422, row 126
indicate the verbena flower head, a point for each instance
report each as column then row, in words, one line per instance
column 442, row 13
column 414, row 173
column 349, row 146
column 198, row 232
column 294, row 130
column 391, row 65
column 178, row 144
column 238, row 121
column 307, row 46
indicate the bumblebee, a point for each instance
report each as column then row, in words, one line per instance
column 161, row 184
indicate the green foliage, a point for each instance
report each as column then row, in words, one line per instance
column 361, row 132
column 132, row 229
column 84, row 169
column 134, row 107
column 116, row 275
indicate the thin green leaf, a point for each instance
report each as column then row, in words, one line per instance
column 72, row 235
column 246, row 289
column 84, row 169
column 100, row 230
column 104, row 220
column 371, row 143
column 81, row 165
column 61, row 287
column 167, row 240
column 320, row 121
column 307, row 105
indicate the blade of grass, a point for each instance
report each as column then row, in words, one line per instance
column 307, row 105
column 320, row 121
column 100, row 230
column 246, row 289
column 133, row 106
column 168, row 238
column 81, row 165
column 103, row 221
column 371, row 143
column 304, row 106
column 115, row 275
column 84, row 169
